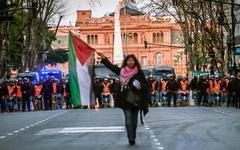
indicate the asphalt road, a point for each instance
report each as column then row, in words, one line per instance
column 188, row 128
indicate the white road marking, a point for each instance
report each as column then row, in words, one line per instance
column 32, row 125
column 153, row 137
column 217, row 111
column 2, row 137
column 92, row 129
column 74, row 130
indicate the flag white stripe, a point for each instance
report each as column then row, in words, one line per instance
column 84, row 82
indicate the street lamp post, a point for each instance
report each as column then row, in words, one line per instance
column 125, row 27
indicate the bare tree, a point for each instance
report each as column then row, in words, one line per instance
column 203, row 25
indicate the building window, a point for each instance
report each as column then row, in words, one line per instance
column 132, row 38
column 162, row 37
column 158, row 59
column 144, row 60
column 154, row 38
column 88, row 39
column 96, row 39
column 92, row 39
column 135, row 38
column 158, row 37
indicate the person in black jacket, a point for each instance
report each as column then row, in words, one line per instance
column 172, row 88
column 67, row 96
column 232, row 95
column 3, row 94
column 203, row 87
column 47, row 92
column 132, row 81
column 26, row 93
column 115, row 88
column 234, row 87
column 97, row 88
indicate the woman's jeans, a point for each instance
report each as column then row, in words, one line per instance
column 131, row 121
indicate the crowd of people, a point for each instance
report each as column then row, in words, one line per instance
column 23, row 95
column 50, row 93
column 170, row 91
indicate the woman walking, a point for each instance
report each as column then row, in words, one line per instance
column 132, row 97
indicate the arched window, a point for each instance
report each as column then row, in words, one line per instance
column 158, row 59
column 92, row 39
column 130, row 38
column 135, row 38
column 162, row 37
column 96, row 39
column 158, row 37
column 154, row 38
column 88, row 39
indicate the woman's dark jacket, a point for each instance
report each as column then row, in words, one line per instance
column 143, row 92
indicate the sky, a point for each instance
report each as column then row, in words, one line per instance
column 98, row 10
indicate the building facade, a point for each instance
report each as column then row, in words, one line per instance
column 164, row 38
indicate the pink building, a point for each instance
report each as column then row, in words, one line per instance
column 165, row 42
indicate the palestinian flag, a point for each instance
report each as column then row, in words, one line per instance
column 80, row 71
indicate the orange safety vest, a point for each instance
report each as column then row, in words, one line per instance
column 217, row 86
column 106, row 87
column 211, row 88
column 54, row 88
column 64, row 90
column 19, row 93
column 164, row 85
column 184, row 85
column 154, row 85
column 11, row 90
column 37, row 90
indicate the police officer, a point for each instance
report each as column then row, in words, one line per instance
column 60, row 90
column 106, row 91
column 97, row 88
column 217, row 88
column 230, row 92
column 47, row 92
column 67, row 94
column 163, row 89
column 26, row 92
column 238, row 90
column 225, row 82
column 12, row 91
column 153, row 89
column 3, row 94
column 115, row 88
column 203, row 94
column 193, row 86
column 172, row 88
column 184, row 90
column 211, row 91
column 19, row 94
column 38, row 95
column 54, row 92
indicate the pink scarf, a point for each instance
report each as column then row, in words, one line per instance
column 126, row 74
